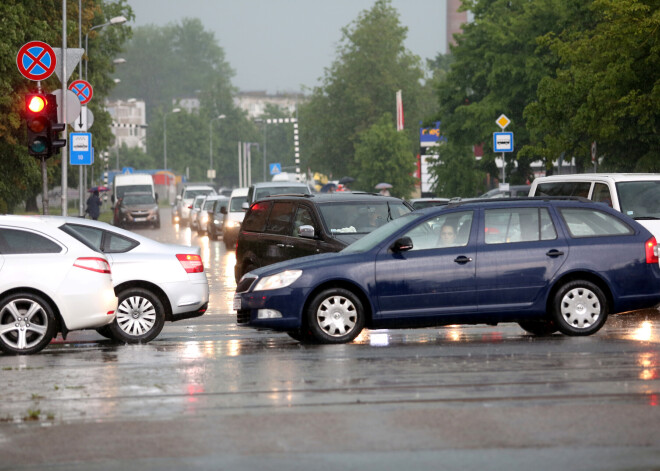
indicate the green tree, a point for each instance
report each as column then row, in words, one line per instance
column 382, row 154
column 359, row 87
column 606, row 89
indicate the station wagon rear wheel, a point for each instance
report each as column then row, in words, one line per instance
column 335, row 315
column 140, row 316
column 580, row 308
column 27, row 323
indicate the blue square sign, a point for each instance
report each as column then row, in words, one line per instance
column 503, row 141
column 80, row 148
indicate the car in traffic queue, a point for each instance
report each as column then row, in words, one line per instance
column 548, row 264
column 137, row 209
column 279, row 228
column 216, row 217
column 204, row 215
column 184, row 200
column 154, row 282
column 50, row 283
column 234, row 214
column 261, row 190
column 195, row 211
column 507, row 191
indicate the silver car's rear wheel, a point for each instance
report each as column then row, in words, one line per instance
column 335, row 315
column 580, row 308
column 27, row 323
column 140, row 316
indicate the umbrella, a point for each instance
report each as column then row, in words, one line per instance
column 383, row 186
column 328, row 188
column 98, row 188
column 345, row 180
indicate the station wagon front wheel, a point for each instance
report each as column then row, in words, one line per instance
column 335, row 315
column 580, row 308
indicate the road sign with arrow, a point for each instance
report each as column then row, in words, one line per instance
column 84, row 121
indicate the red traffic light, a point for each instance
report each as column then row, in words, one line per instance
column 36, row 103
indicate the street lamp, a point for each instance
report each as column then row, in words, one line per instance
column 117, row 20
column 175, row 110
column 211, row 141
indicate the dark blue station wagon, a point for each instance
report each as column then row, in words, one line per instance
column 549, row 264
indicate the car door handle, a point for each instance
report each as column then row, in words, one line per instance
column 462, row 259
column 554, row 253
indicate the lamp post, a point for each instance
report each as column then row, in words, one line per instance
column 175, row 110
column 117, row 20
column 211, row 142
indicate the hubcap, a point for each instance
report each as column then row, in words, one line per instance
column 580, row 308
column 336, row 316
column 136, row 315
column 23, row 323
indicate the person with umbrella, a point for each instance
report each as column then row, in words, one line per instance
column 94, row 205
column 384, row 188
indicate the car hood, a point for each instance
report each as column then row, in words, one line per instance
column 302, row 263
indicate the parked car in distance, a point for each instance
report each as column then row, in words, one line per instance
column 234, row 215
column 548, row 264
column 283, row 227
column 49, row 283
column 634, row 194
column 137, row 209
column 154, row 282
column 507, row 191
column 203, row 216
column 420, row 203
column 184, row 200
column 195, row 210
column 217, row 217
column 261, row 190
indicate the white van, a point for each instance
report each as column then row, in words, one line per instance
column 132, row 183
column 634, row 194
column 234, row 214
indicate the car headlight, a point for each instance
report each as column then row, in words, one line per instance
column 279, row 280
column 233, row 224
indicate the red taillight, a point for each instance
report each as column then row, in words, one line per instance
column 651, row 250
column 94, row 264
column 191, row 263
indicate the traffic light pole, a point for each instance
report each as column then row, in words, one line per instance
column 65, row 190
column 44, row 186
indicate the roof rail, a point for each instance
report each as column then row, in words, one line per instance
column 459, row 202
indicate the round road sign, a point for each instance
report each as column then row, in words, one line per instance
column 36, row 60
column 83, row 90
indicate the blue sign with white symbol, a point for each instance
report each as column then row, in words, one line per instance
column 81, row 151
column 275, row 169
column 503, row 141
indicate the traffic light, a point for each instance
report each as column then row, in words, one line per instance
column 36, row 113
column 42, row 126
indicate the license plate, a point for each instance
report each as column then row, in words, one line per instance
column 237, row 303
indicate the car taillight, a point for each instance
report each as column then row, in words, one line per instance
column 651, row 250
column 191, row 263
column 92, row 263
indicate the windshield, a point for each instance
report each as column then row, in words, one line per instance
column 237, row 203
column 358, row 217
column 640, row 199
column 191, row 194
column 374, row 238
column 208, row 205
column 146, row 198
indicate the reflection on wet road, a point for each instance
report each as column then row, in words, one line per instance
column 221, row 390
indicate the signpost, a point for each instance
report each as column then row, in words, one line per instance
column 503, row 141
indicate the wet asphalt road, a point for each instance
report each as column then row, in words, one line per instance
column 207, row 394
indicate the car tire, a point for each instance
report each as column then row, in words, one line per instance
column 140, row 316
column 539, row 327
column 335, row 315
column 580, row 308
column 28, row 323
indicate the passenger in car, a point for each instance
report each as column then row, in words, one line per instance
column 447, row 236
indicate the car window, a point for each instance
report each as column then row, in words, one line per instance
column 601, row 194
column 359, row 216
column 304, row 217
column 198, row 203
column 255, row 219
column 639, row 199
column 16, row 241
column 279, row 221
column 563, row 189
column 236, row 204
column 374, row 238
column 115, row 243
column 208, row 205
column 446, row 230
column 592, row 223
column 191, row 194
column 509, row 225
column 220, row 204
column 94, row 237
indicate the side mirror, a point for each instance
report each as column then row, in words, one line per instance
column 306, row 231
column 223, row 209
column 402, row 245
column 178, row 198
column 245, row 206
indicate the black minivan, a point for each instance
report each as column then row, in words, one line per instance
column 280, row 228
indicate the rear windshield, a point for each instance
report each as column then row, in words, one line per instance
column 640, row 200
column 360, row 217
column 190, row 194
column 280, row 190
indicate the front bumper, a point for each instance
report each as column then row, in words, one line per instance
column 289, row 302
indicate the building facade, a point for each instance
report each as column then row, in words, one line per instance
column 129, row 122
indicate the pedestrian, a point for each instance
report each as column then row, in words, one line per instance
column 385, row 192
column 94, row 205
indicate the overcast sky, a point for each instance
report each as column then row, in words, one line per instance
column 283, row 45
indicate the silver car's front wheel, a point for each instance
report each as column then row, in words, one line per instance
column 140, row 316
column 27, row 323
